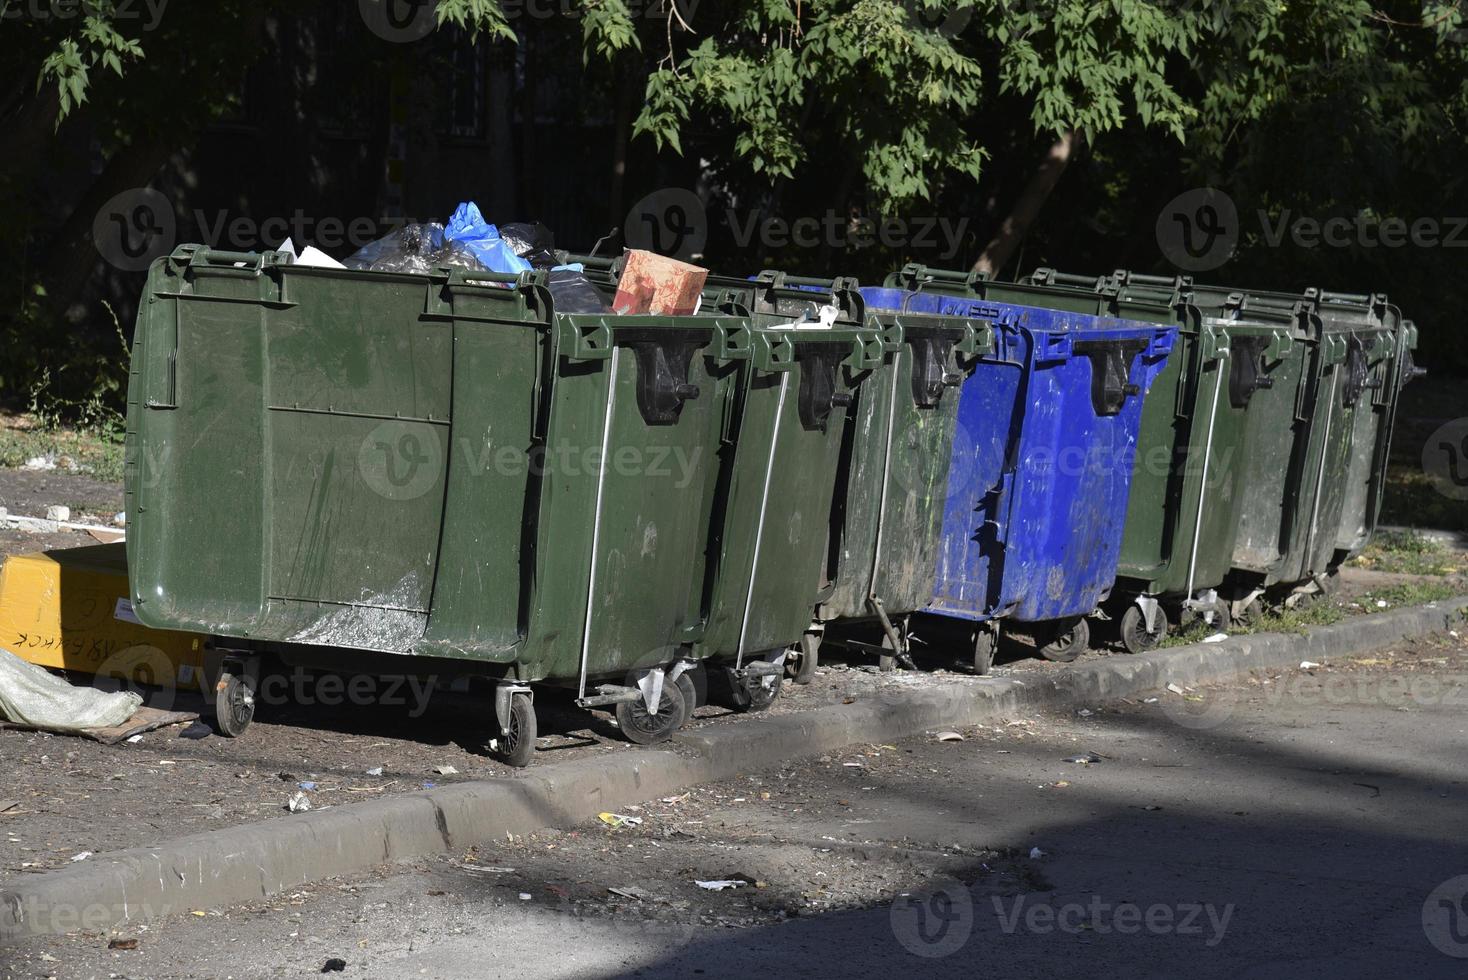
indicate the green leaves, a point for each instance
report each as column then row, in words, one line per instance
column 97, row 41
column 607, row 28
column 477, row 17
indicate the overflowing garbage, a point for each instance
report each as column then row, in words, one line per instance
column 469, row 241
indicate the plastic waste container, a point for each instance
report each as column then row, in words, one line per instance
column 1298, row 474
column 436, row 466
column 763, row 621
column 1191, row 484
column 814, row 363
column 896, row 459
column 1048, row 425
column 1354, row 389
column 1366, row 480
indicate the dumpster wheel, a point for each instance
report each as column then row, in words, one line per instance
column 644, row 728
column 1069, row 642
column 744, row 691
column 234, row 704
column 516, row 744
column 986, row 641
column 801, row 668
column 690, row 696
column 1253, row 613
column 1135, row 637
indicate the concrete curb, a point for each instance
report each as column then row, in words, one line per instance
column 252, row 862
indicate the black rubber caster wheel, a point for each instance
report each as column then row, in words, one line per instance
column 234, row 704
column 986, row 641
column 801, row 663
column 689, row 690
column 728, row 689
column 1071, row 640
column 516, row 745
column 648, row 729
column 1253, row 613
column 1135, row 637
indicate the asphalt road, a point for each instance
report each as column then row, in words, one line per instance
column 1309, row 826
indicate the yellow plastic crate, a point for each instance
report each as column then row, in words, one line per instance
column 70, row 610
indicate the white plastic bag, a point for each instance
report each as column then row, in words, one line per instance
column 31, row 695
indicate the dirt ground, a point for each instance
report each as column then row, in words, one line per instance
column 61, row 795
column 27, row 493
column 1314, row 809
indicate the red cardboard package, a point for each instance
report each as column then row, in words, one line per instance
column 656, row 284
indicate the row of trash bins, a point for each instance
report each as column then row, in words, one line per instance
column 346, row 467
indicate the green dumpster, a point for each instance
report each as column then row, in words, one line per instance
column 1359, row 335
column 1283, row 440
column 1366, row 481
column 436, row 466
column 778, row 526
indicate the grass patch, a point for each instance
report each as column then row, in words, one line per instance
column 1194, row 632
column 1409, row 594
column 1321, row 612
column 1409, row 553
column 96, row 451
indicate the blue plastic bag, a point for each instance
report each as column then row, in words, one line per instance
column 469, row 228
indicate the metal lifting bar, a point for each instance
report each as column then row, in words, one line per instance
column 601, row 481
column 764, row 505
column 1223, row 360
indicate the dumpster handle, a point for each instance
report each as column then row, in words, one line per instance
column 1052, row 277
column 867, row 351
column 601, row 481
column 1126, row 277
column 759, row 530
column 978, row 339
column 892, row 335
column 586, row 342
column 253, row 261
column 732, row 341
column 773, row 352
column 461, row 276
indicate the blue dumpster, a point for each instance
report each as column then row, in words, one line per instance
column 1037, row 491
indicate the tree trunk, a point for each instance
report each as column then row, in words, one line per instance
column 1002, row 247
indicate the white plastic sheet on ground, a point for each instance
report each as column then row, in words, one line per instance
column 32, row 695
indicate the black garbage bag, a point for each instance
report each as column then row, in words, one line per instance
column 532, row 241
column 416, row 248
column 572, row 292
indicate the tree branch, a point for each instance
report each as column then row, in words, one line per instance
column 1027, row 207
